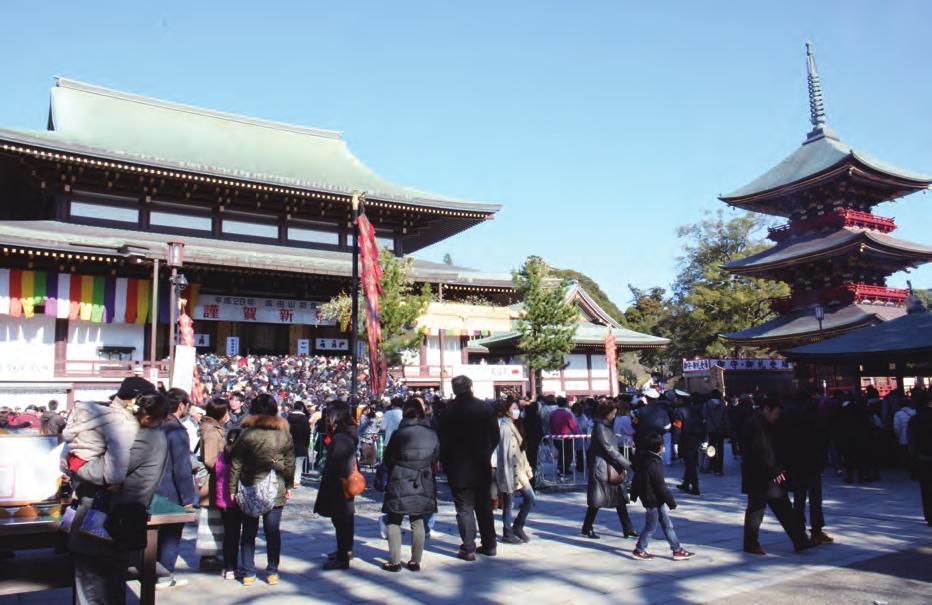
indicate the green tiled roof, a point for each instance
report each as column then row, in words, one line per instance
column 803, row 323
column 105, row 123
column 586, row 334
column 817, row 155
column 825, row 244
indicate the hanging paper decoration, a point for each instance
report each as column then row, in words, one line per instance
column 93, row 298
column 611, row 360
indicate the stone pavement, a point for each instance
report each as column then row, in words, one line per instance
column 560, row 566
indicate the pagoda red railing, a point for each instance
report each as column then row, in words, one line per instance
column 847, row 293
column 841, row 217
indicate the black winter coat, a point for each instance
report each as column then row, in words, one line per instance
column 468, row 436
column 603, row 452
column 341, row 460
column 759, row 464
column 652, row 418
column 649, row 484
column 300, row 429
column 177, row 483
column 409, row 456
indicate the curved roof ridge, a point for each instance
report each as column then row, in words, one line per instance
column 62, row 82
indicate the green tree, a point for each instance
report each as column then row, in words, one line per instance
column 547, row 324
column 706, row 300
column 400, row 305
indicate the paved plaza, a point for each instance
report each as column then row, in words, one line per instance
column 870, row 523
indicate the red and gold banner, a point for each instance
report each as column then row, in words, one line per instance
column 611, row 360
column 372, row 289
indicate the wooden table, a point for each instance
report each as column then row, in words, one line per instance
column 42, row 532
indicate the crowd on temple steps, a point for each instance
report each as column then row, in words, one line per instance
column 237, row 458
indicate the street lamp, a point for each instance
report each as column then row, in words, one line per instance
column 174, row 259
column 820, row 316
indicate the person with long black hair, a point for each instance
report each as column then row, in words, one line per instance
column 341, row 438
column 264, row 446
column 604, row 457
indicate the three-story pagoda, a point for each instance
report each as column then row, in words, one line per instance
column 834, row 253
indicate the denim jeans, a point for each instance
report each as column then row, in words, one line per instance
column 651, row 517
column 509, row 521
column 169, row 543
column 273, row 542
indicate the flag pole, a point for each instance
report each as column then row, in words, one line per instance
column 358, row 199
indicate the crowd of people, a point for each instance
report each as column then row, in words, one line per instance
column 312, row 379
column 237, row 458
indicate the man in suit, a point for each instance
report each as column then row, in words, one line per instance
column 468, row 436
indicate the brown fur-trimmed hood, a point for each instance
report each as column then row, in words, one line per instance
column 272, row 423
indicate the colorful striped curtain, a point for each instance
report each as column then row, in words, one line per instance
column 94, row 298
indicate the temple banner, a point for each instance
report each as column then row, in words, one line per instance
column 258, row 310
column 729, row 363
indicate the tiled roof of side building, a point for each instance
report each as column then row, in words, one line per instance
column 911, row 333
column 90, row 120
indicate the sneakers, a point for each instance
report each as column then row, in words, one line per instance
column 249, row 580
column 170, row 582
column 682, row 554
column 272, row 579
column 229, row 575
column 642, row 555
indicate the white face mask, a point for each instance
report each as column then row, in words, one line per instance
column 515, row 414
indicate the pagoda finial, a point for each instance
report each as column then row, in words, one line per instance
column 816, row 108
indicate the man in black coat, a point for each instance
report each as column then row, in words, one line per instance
column 468, row 436
column 300, row 428
column 919, row 431
column 533, row 428
column 652, row 418
column 177, row 484
column 688, row 434
column 805, row 439
column 763, row 479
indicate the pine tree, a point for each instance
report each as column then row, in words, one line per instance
column 547, row 325
column 400, row 307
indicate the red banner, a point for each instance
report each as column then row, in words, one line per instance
column 372, row 289
column 611, row 360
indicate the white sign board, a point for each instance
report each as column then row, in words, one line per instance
column 29, row 469
column 731, row 364
column 232, row 345
column 332, row 344
column 211, row 307
column 183, row 368
column 304, row 346
column 485, row 377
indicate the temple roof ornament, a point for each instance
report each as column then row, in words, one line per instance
column 816, row 104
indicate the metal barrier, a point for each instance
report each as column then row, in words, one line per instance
column 563, row 460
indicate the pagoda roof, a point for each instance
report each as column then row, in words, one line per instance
column 93, row 121
column 86, row 239
column 587, row 334
column 822, row 158
column 802, row 325
column 819, row 158
column 907, row 335
column 815, row 246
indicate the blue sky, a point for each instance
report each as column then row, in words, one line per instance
column 600, row 126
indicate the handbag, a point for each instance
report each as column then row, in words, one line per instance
column 355, row 484
column 127, row 525
column 614, row 477
column 259, row 498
